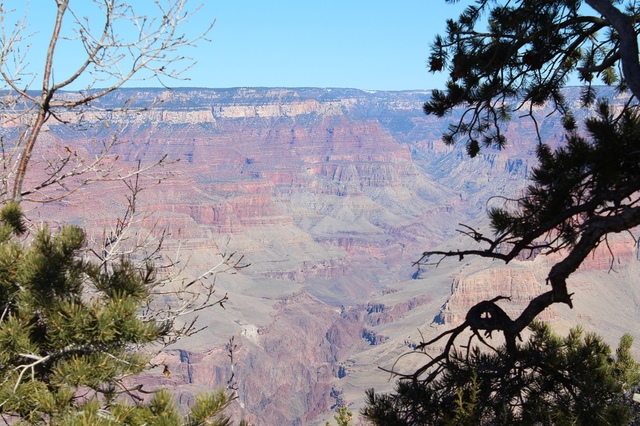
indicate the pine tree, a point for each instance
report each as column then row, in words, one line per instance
column 582, row 191
column 70, row 332
column 512, row 57
column 571, row 380
column 343, row 417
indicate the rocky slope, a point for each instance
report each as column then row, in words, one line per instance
column 330, row 195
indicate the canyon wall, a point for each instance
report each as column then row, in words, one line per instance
column 330, row 195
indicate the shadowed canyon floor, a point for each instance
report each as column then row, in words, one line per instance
column 330, row 195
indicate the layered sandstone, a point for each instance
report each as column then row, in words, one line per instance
column 330, row 195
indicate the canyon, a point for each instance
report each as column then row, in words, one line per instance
column 330, row 196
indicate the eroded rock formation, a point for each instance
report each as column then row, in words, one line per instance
column 330, row 195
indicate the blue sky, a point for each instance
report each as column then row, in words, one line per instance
column 363, row 44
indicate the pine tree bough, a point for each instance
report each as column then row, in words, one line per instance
column 582, row 191
column 504, row 57
column 488, row 317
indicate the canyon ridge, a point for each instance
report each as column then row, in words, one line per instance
column 330, row 195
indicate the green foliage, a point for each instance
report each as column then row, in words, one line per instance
column 586, row 188
column 553, row 380
column 12, row 220
column 519, row 55
column 467, row 399
column 69, row 331
column 160, row 411
column 209, row 406
column 343, row 417
column 586, row 177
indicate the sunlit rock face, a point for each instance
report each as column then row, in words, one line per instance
column 330, row 195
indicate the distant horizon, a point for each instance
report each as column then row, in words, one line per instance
column 568, row 86
column 243, row 87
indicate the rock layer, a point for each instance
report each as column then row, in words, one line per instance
column 330, row 195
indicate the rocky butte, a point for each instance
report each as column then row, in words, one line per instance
column 330, row 194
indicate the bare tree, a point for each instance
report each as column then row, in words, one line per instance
column 113, row 44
